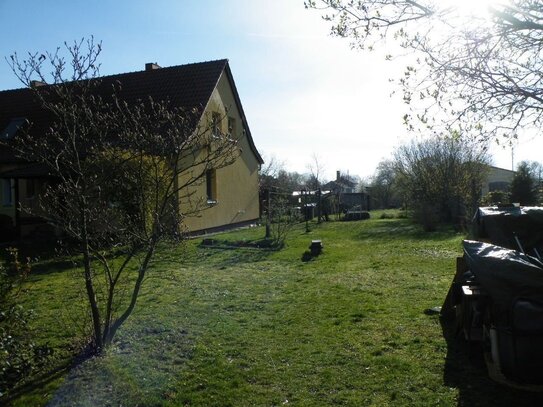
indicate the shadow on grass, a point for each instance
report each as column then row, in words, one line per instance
column 221, row 257
column 264, row 244
column 43, row 255
column 53, row 266
column 34, row 249
column 37, row 383
column 140, row 368
column 401, row 229
column 222, row 253
column 465, row 370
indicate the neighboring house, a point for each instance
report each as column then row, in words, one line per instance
column 343, row 189
column 498, row 179
column 342, row 184
column 232, row 191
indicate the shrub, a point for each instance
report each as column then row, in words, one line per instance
column 19, row 355
column 283, row 219
column 440, row 178
column 496, row 198
column 427, row 216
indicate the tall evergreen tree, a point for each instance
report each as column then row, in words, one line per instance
column 523, row 185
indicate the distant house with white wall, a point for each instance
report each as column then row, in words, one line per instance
column 342, row 184
column 498, row 179
column 344, row 188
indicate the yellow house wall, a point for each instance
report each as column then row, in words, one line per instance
column 237, row 184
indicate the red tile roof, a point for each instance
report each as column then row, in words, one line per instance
column 187, row 86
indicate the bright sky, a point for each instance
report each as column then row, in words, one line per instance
column 303, row 92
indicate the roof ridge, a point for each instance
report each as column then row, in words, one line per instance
column 223, row 61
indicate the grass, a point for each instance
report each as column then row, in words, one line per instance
column 234, row 325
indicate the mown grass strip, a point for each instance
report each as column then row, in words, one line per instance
column 245, row 327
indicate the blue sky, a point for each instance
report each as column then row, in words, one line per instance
column 303, row 92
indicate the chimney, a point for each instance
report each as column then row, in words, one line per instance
column 35, row 84
column 151, row 66
column 338, row 175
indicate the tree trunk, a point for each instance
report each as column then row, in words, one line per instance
column 88, row 281
column 134, row 297
column 92, row 301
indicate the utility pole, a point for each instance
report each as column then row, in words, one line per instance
column 268, row 214
column 306, row 210
column 319, row 203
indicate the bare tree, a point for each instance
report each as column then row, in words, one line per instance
column 269, row 172
column 120, row 171
column 473, row 73
column 276, row 187
column 441, row 178
column 283, row 217
column 316, row 169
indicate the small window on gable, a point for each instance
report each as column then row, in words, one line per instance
column 231, row 126
column 11, row 129
column 211, row 186
column 216, row 123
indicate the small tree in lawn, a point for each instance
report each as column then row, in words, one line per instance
column 267, row 183
column 283, row 218
column 120, row 170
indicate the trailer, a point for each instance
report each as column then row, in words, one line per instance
column 496, row 298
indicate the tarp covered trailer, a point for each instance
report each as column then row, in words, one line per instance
column 497, row 292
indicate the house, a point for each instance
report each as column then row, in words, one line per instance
column 208, row 87
column 498, row 179
column 342, row 184
column 343, row 190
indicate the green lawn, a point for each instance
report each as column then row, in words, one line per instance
column 252, row 327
